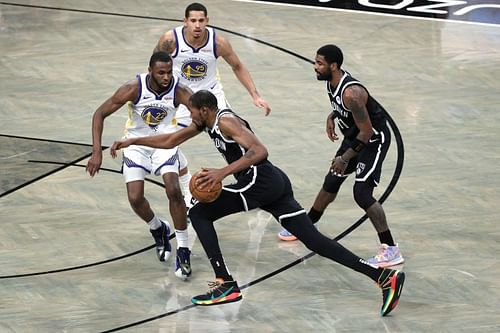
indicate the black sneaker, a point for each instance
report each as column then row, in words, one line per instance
column 161, row 236
column 219, row 293
column 391, row 282
column 182, row 263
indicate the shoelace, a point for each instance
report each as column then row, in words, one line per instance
column 386, row 282
column 213, row 285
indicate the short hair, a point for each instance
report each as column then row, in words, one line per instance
column 203, row 98
column 332, row 53
column 159, row 56
column 197, row 7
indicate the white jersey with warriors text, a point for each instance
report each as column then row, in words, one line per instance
column 151, row 113
column 196, row 67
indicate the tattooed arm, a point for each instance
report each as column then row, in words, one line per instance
column 355, row 98
column 166, row 43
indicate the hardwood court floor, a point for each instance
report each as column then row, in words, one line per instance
column 438, row 80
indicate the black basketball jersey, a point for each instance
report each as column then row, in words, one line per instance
column 344, row 115
column 230, row 149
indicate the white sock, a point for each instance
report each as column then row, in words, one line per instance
column 155, row 223
column 182, row 238
column 184, row 182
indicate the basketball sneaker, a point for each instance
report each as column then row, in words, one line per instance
column 286, row 236
column 220, row 292
column 391, row 281
column 387, row 256
column 161, row 237
column 182, row 263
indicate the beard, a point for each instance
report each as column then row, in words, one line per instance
column 324, row 76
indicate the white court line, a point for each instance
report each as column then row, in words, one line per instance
column 371, row 13
column 16, row 155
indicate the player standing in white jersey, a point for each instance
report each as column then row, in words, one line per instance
column 195, row 49
column 152, row 99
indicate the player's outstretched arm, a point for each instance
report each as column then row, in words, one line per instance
column 127, row 92
column 165, row 141
column 225, row 50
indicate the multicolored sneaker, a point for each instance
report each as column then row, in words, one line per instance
column 286, row 236
column 182, row 263
column 387, row 256
column 391, row 282
column 219, row 293
column 161, row 237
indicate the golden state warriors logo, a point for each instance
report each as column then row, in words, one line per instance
column 194, row 69
column 153, row 115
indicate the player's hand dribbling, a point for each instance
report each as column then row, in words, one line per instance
column 208, row 177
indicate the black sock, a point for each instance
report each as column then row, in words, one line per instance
column 314, row 215
column 220, row 268
column 386, row 238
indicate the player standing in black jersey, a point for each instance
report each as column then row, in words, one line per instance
column 361, row 119
column 259, row 184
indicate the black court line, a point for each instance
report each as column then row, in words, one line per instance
column 62, row 167
column 389, row 189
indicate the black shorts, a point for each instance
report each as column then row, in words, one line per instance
column 264, row 186
column 367, row 165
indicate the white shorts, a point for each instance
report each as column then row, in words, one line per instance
column 183, row 116
column 138, row 161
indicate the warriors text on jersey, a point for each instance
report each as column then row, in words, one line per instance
column 344, row 115
column 196, row 68
column 151, row 113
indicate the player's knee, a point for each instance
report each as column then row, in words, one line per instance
column 363, row 195
column 174, row 194
column 332, row 183
column 135, row 200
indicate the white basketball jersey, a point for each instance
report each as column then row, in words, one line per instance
column 151, row 113
column 196, row 68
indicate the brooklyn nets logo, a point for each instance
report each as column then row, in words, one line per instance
column 153, row 115
column 194, row 69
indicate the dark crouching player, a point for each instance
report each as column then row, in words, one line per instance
column 259, row 184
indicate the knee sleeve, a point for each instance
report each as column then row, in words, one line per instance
column 363, row 195
column 332, row 182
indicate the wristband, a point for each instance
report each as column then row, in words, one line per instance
column 342, row 160
column 357, row 145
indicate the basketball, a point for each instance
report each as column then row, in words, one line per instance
column 204, row 195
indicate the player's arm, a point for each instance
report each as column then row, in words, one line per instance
column 182, row 95
column 355, row 98
column 166, row 141
column 166, row 43
column 225, row 50
column 232, row 127
column 127, row 92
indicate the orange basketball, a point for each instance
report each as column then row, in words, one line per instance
column 204, row 194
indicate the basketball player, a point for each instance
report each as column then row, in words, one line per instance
column 195, row 49
column 152, row 99
column 259, row 184
column 362, row 121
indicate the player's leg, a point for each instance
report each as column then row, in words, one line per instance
column 203, row 215
column 184, row 178
column 166, row 163
column 325, row 196
column 368, row 172
column 293, row 217
column 136, row 164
